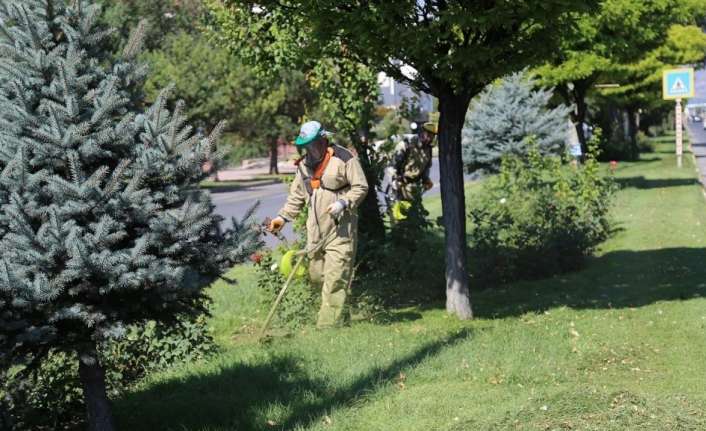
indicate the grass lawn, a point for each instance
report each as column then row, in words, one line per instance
column 619, row 345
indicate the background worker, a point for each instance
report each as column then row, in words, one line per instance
column 330, row 180
column 412, row 162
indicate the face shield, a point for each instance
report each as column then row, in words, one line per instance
column 314, row 152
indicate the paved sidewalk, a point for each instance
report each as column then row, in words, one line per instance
column 255, row 169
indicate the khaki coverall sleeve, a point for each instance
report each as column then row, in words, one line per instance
column 296, row 199
column 358, row 183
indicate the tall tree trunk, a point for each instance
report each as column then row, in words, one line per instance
column 274, row 169
column 631, row 114
column 453, row 112
column 98, row 409
column 579, row 96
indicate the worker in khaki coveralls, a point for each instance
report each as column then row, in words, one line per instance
column 331, row 182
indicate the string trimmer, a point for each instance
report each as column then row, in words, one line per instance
column 300, row 255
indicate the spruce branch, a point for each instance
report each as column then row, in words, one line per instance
column 136, row 41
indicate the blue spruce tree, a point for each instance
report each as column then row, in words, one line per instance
column 504, row 116
column 102, row 223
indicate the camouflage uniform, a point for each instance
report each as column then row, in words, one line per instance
column 412, row 163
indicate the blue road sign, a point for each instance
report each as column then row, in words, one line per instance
column 678, row 83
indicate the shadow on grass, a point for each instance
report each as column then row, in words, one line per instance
column 644, row 183
column 241, row 397
column 619, row 279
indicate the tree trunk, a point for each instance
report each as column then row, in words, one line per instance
column 453, row 112
column 98, row 409
column 632, row 133
column 577, row 97
column 371, row 224
column 580, row 115
column 274, row 169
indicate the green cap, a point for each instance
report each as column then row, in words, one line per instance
column 309, row 133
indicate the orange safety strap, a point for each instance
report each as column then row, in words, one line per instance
column 319, row 172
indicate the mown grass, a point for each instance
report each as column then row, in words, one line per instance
column 616, row 346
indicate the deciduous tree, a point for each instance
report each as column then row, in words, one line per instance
column 619, row 32
column 451, row 49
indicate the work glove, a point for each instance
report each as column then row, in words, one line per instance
column 428, row 185
column 336, row 208
column 276, row 224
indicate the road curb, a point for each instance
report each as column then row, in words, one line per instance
column 228, row 188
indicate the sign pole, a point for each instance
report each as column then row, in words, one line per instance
column 680, row 136
column 678, row 84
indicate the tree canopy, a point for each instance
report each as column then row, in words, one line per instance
column 451, row 49
column 620, row 32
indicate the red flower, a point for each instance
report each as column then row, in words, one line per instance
column 256, row 258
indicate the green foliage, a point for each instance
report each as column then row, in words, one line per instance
column 164, row 18
column 450, row 49
column 215, row 85
column 620, row 31
column 103, row 226
column 641, row 80
column 537, row 218
column 393, row 123
column 209, row 79
column 625, row 42
column 348, row 94
column 50, row 396
column 504, row 115
column 417, row 33
column 153, row 347
column 299, row 306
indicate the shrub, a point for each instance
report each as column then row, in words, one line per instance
column 644, row 143
column 299, row 305
column 50, row 396
column 538, row 217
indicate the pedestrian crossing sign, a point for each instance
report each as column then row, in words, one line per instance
column 678, row 83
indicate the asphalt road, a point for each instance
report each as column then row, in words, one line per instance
column 273, row 197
